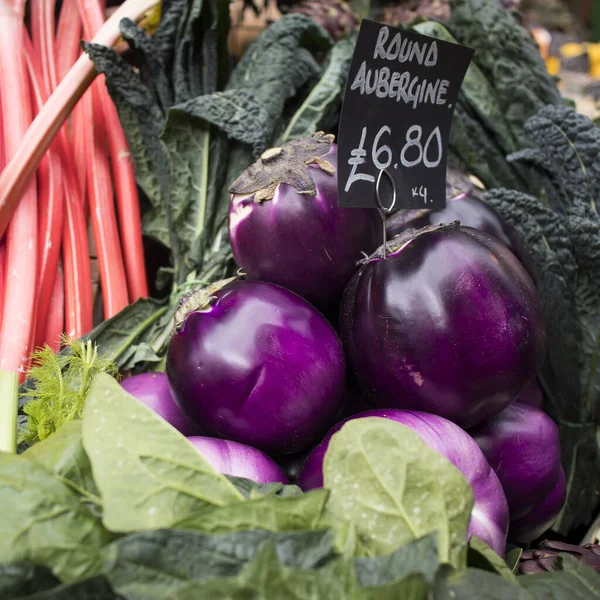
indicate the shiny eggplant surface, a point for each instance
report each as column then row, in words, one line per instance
column 489, row 517
column 471, row 211
column 239, row 460
column 303, row 242
column 152, row 389
column 522, row 445
column 259, row 365
column 449, row 323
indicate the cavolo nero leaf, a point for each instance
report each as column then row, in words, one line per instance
column 44, row 522
column 148, row 474
column 155, row 564
column 483, row 135
column 394, row 488
column 508, row 58
column 563, row 240
column 566, row 149
column 326, row 95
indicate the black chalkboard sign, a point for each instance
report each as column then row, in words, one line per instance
column 396, row 115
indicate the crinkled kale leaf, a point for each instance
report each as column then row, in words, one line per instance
column 563, row 237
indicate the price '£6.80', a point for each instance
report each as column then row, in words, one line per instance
column 396, row 116
column 416, row 149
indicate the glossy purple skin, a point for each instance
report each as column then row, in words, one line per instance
column 522, row 445
column 449, row 324
column 259, row 366
column 471, row 211
column 239, row 460
column 306, row 244
column 152, row 389
column 534, row 524
column 489, row 518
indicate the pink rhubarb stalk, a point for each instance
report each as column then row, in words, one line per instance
column 21, row 223
column 55, row 315
column 130, row 220
column 25, row 159
column 50, row 200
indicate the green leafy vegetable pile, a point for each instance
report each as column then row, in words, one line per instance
column 121, row 505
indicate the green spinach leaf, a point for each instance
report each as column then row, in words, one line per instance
column 62, row 454
column 252, row 489
column 94, row 588
column 44, row 522
column 475, row 583
column 148, row 474
column 419, row 557
column 512, row 559
column 20, row 579
column 481, row 556
column 396, row 489
column 265, row 579
column 155, row 564
column 270, row 513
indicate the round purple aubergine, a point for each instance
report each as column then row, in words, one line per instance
column 522, row 445
column 489, row 517
column 254, row 363
column 471, row 211
column 285, row 225
column 448, row 323
column 238, row 460
column 152, row 389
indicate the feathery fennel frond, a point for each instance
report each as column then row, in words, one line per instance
column 61, row 386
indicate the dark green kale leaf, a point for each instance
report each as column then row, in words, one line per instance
column 563, row 240
column 508, row 58
column 324, row 101
column 567, row 147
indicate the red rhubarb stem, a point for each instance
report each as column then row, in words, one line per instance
column 76, row 263
column 102, row 214
column 130, row 220
column 24, row 161
column 68, row 37
column 50, row 201
column 19, row 306
column 77, row 269
column 2, row 275
column 55, row 315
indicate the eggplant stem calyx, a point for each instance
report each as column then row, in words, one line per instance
column 198, row 300
column 289, row 164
